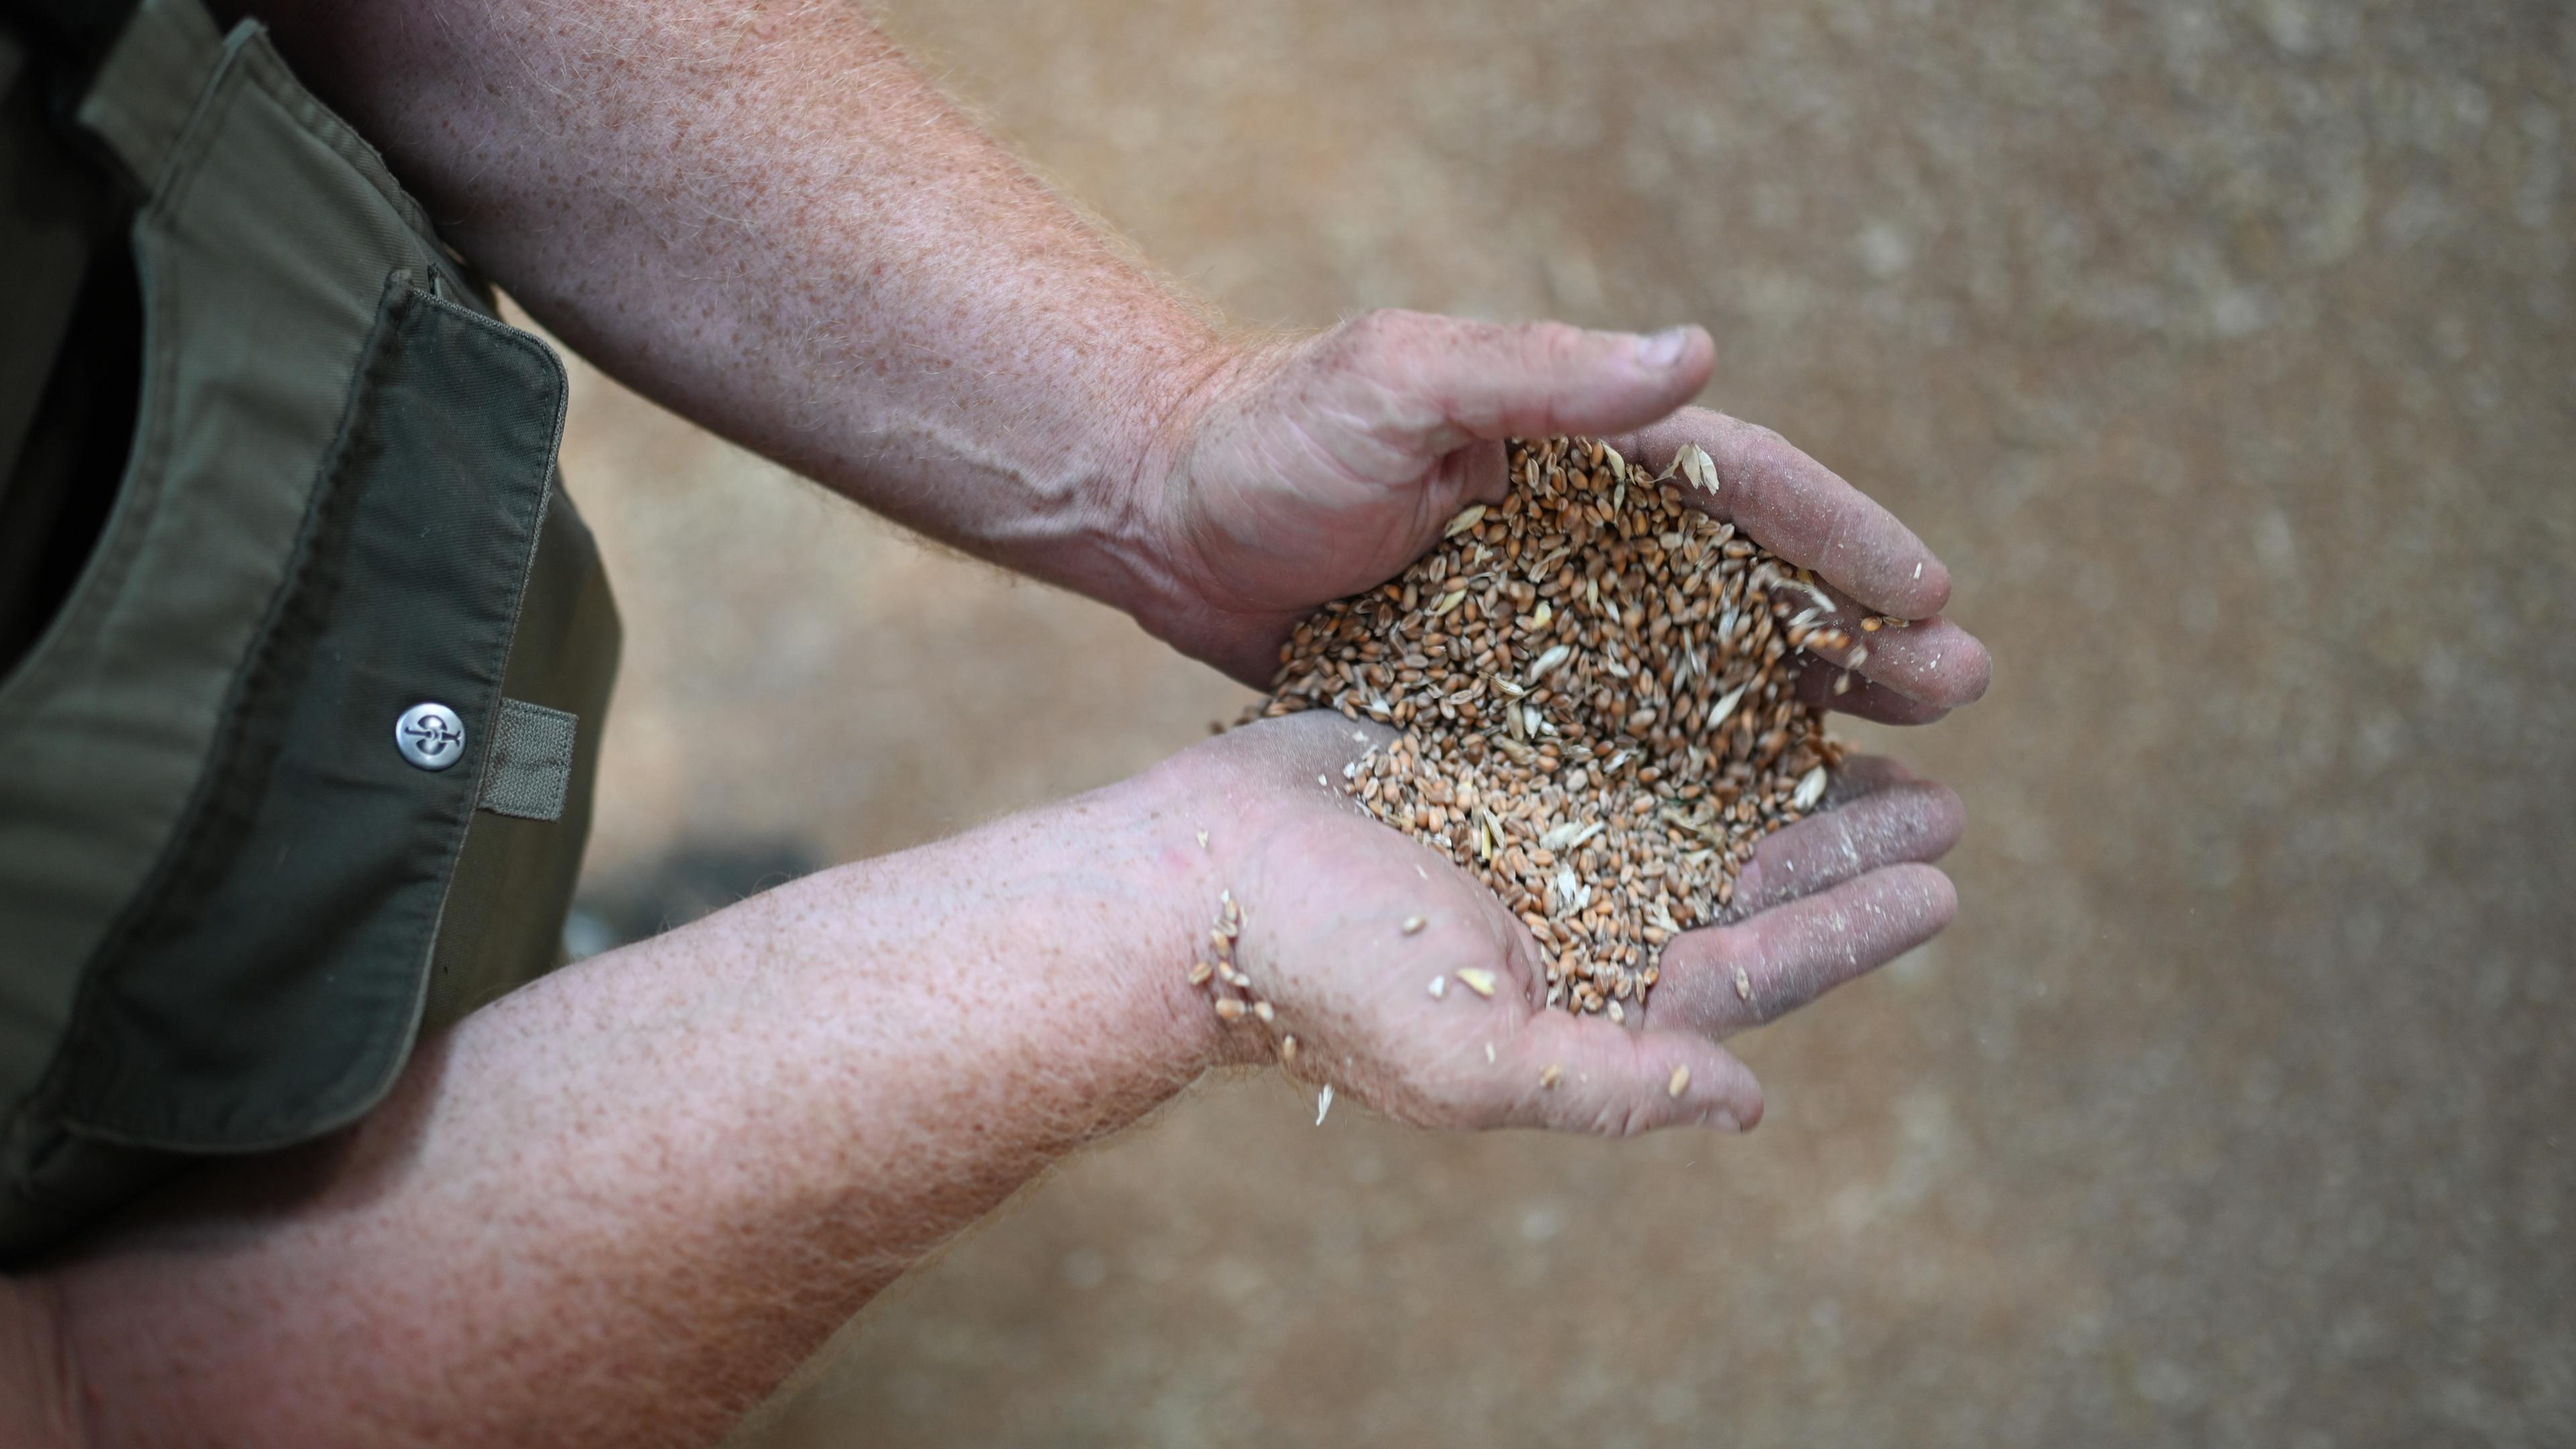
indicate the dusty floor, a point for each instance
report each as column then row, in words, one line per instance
column 2224, row 351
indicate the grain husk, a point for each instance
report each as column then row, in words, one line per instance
column 1594, row 687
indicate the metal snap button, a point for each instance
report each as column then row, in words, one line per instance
column 430, row 736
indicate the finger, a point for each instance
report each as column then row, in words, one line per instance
column 1570, row 1074
column 1891, row 824
column 1724, row 979
column 1931, row 661
column 1311, row 746
column 1830, row 686
column 1423, row 385
column 1797, row 508
column 1860, row 775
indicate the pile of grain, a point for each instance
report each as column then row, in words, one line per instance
column 1596, row 688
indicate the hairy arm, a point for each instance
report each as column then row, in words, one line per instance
column 619, row 1206
column 762, row 216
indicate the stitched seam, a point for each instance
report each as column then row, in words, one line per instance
column 194, row 816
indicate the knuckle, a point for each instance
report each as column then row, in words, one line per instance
column 1774, row 1000
column 1599, row 1119
column 1433, row 1109
column 1712, row 950
column 1790, row 985
column 1446, row 1117
column 1373, row 334
column 1766, row 450
column 1552, row 345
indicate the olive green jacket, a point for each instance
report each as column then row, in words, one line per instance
column 231, row 900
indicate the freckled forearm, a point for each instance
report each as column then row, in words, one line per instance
column 36, row 1389
column 764, row 217
column 619, row 1206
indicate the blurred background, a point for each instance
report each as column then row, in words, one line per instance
column 2225, row 352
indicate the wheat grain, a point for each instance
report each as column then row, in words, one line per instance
column 1594, row 686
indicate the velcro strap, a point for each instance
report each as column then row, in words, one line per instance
column 531, row 763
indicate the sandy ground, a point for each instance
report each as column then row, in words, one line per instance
column 2225, row 352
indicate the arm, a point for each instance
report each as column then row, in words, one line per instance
column 620, row 1205
column 763, row 217
column 617, row 1207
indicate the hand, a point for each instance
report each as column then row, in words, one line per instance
column 1326, row 892
column 1303, row 472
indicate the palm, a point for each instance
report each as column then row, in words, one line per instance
column 1320, row 469
column 1328, row 893
column 1334, row 892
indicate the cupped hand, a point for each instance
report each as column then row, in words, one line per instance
column 1330, row 896
column 1302, row 472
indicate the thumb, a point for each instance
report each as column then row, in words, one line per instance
column 1421, row 386
column 1585, row 1074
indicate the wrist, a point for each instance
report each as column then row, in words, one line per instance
column 1173, row 596
column 1168, row 829
column 1222, row 814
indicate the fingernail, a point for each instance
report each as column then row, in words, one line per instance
column 1724, row 1121
column 1664, row 348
